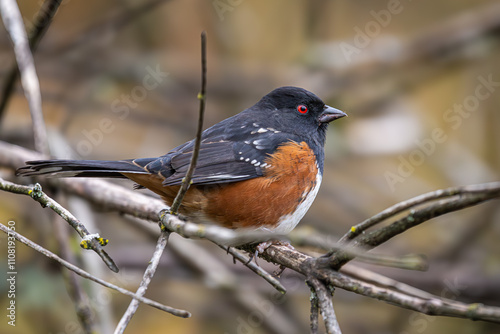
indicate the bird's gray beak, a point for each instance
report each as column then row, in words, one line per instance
column 330, row 114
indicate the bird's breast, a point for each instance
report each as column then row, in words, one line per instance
column 277, row 201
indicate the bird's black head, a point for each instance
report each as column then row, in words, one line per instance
column 297, row 110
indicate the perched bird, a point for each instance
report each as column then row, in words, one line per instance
column 258, row 170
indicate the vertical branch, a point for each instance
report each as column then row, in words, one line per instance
column 162, row 241
column 186, row 182
column 323, row 296
column 41, row 23
column 13, row 22
column 314, row 310
column 146, row 279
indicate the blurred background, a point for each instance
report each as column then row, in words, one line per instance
column 420, row 81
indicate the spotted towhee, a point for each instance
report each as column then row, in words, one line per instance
column 260, row 169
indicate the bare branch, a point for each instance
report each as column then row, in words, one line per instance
column 148, row 276
column 13, row 22
column 186, row 181
column 476, row 194
column 162, row 241
column 406, row 205
column 217, row 234
column 323, row 298
column 41, row 23
column 90, row 241
column 307, row 266
column 430, row 306
column 314, row 317
column 83, row 273
column 255, row 268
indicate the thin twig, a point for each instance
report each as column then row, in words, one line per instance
column 414, row 218
column 146, row 279
column 83, row 273
column 406, row 205
column 314, row 317
column 41, row 23
column 13, row 22
column 186, row 181
column 323, row 296
column 95, row 243
column 162, row 241
column 255, row 268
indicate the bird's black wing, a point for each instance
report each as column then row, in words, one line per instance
column 231, row 151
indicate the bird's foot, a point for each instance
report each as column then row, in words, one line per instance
column 261, row 248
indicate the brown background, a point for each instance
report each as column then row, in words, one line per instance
column 398, row 90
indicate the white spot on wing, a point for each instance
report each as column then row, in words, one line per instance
column 64, row 174
column 225, row 176
column 258, row 143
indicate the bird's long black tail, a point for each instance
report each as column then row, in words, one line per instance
column 81, row 168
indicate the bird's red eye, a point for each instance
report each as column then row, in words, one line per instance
column 302, row 109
